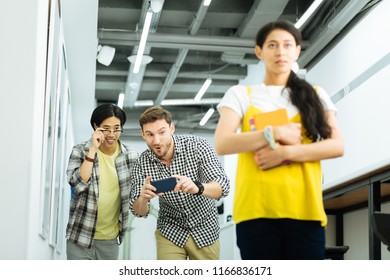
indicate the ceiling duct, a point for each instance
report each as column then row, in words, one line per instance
column 348, row 12
column 173, row 72
column 238, row 58
column 262, row 12
column 174, row 41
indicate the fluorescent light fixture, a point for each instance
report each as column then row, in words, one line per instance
column 179, row 102
column 146, row 59
column 142, row 43
column 156, row 5
column 206, row 117
column 121, row 99
column 143, row 103
column 308, row 13
column 206, row 2
column 203, row 89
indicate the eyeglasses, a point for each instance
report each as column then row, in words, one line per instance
column 109, row 131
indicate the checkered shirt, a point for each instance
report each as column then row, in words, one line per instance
column 184, row 214
column 84, row 204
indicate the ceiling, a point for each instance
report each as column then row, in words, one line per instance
column 189, row 42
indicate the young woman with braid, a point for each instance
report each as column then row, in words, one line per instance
column 278, row 206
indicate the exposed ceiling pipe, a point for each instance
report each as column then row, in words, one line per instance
column 321, row 15
column 134, row 81
column 261, row 12
column 332, row 29
column 197, row 22
column 225, row 72
column 254, row 20
column 159, row 71
column 238, row 58
column 173, row 72
column 178, row 41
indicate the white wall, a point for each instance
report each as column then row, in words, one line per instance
column 22, row 79
column 22, row 74
column 363, row 114
column 80, row 28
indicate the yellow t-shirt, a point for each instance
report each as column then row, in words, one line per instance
column 109, row 198
column 288, row 191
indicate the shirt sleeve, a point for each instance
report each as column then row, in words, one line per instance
column 237, row 99
column 73, row 170
column 211, row 169
column 325, row 99
column 137, row 181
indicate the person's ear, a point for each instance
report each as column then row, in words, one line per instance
column 258, row 52
column 297, row 52
column 172, row 128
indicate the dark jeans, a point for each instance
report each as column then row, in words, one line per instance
column 281, row 239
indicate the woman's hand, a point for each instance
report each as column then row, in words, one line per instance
column 288, row 134
column 267, row 158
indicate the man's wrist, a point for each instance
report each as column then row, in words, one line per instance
column 87, row 158
column 200, row 187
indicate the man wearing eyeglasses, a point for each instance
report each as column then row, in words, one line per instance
column 99, row 175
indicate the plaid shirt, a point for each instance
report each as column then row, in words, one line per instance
column 184, row 214
column 84, row 204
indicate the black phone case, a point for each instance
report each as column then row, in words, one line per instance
column 164, row 185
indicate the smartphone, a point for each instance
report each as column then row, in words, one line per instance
column 164, row 185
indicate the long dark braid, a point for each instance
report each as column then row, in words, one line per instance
column 302, row 94
column 310, row 107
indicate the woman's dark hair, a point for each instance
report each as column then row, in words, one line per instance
column 302, row 94
column 153, row 114
column 105, row 111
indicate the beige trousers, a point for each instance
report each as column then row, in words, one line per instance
column 167, row 250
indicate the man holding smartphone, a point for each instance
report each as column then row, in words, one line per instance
column 187, row 224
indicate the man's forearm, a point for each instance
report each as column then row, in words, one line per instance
column 141, row 206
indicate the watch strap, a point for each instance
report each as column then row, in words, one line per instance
column 200, row 187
